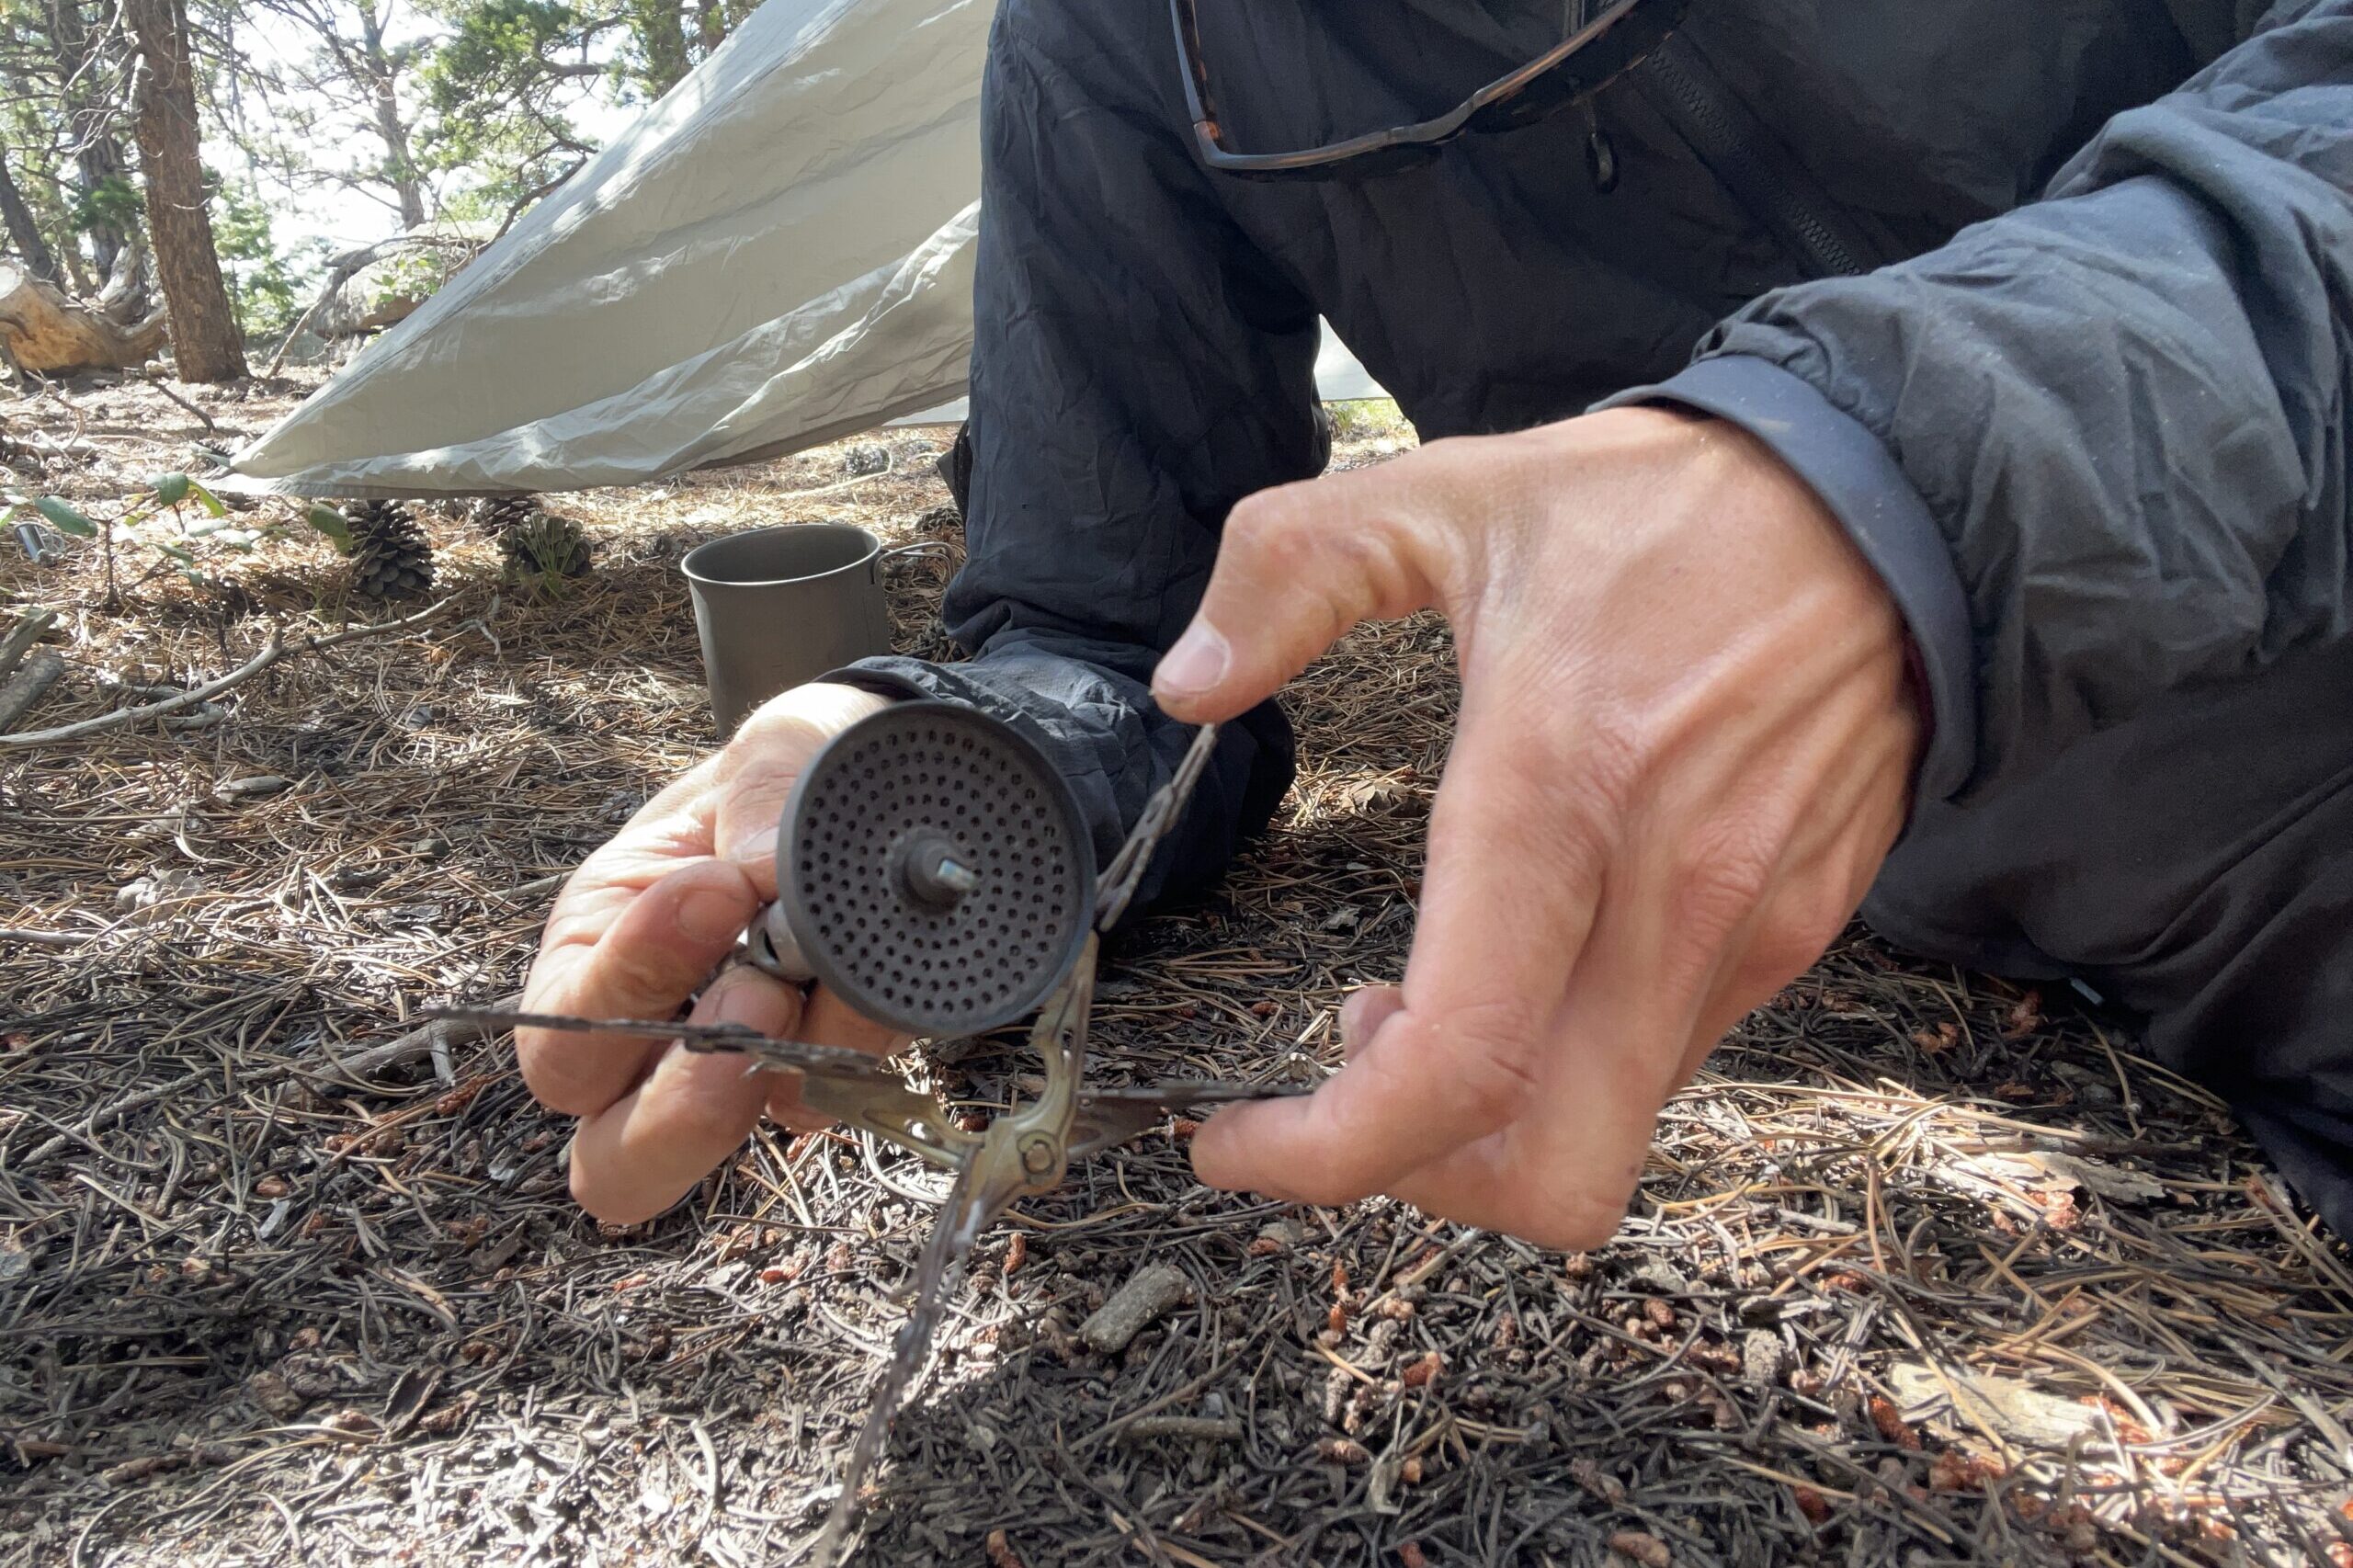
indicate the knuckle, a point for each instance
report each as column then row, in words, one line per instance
column 610, row 1202
column 1725, row 869
column 1798, row 929
column 1580, row 1224
column 644, row 974
column 1609, row 756
column 1329, row 1188
column 1272, row 530
column 1716, row 889
column 553, row 1087
column 1494, row 1050
column 706, row 1121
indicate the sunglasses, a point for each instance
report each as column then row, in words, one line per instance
column 1571, row 73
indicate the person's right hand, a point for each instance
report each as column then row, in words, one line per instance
column 638, row 927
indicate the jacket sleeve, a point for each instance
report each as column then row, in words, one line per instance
column 1137, row 368
column 2097, row 445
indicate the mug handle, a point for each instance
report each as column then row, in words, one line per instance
column 918, row 548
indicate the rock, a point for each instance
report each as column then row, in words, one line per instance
column 370, row 288
column 1283, row 1233
column 161, row 887
column 1641, row 1546
column 270, row 1392
column 2016, row 1410
column 1660, row 1276
column 1149, row 1293
column 1762, row 1356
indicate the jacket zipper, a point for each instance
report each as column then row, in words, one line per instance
column 1717, row 137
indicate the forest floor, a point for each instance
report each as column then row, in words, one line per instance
column 1928, row 1267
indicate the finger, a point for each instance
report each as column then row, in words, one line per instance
column 1562, row 1173
column 652, row 956
column 1515, row 871
column 755, row 776
column 639, row 1154
column 1296, row 568
column 829, row 1020
column 1361, row 1015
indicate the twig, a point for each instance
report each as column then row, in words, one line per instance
column 275, row 649
column 30, row 939
column 439, row 1034
column 40, row 672
column 532, row 889
column 156, row 381
column 27, row 632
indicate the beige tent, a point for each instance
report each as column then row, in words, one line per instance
column 777, row 254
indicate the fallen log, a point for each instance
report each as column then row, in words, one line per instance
column 47, row 333
column 28, row 686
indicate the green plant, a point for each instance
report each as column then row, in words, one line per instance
column 1365, row 418
column 153, row 519
column 266, row 283
column 414, row 276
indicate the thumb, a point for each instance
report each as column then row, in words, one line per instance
column 1298, row 566
column 755, row 773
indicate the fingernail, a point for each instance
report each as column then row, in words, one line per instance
column 709, row 916
column 1195, row 665
column 755, row 849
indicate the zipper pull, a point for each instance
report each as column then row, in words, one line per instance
column 1600, row 153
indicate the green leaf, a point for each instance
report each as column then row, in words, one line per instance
column 171, row 490
column 330, row 522
column 64, row 518
column 176, row 553
column 208, row 500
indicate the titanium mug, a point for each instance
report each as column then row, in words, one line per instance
column 780, row 605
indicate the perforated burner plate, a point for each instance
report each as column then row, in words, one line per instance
column 928, row 948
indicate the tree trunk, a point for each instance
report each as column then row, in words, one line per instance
column 24, row 229
column 206, row 344
column 97, row 158
column 47, row 333
column 400, row 168
column 661, row 30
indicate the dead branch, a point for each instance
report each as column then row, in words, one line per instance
column 436, row 1037
column 28, row 686
column 27, row 632
column 274, row 649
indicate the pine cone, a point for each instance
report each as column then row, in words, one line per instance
column 390, row 556
column 542, row 551
column 497, row 514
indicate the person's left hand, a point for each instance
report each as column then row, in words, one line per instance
column 1685, row 746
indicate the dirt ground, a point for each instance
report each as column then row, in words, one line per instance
column 1927, row 1269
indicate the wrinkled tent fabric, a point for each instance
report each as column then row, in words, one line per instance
column 777, row 254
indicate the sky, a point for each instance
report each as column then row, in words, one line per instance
column 333, row 215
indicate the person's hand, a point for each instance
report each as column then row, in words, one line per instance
column 1685, row 747
column 638, row 927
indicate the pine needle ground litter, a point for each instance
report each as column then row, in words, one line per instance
column 1927, row 1269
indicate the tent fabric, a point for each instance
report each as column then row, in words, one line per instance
column 776, row 254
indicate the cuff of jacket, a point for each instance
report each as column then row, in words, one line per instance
column 906, row 678
column 1879, row 510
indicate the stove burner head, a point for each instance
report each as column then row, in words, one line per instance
column 934, row 870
